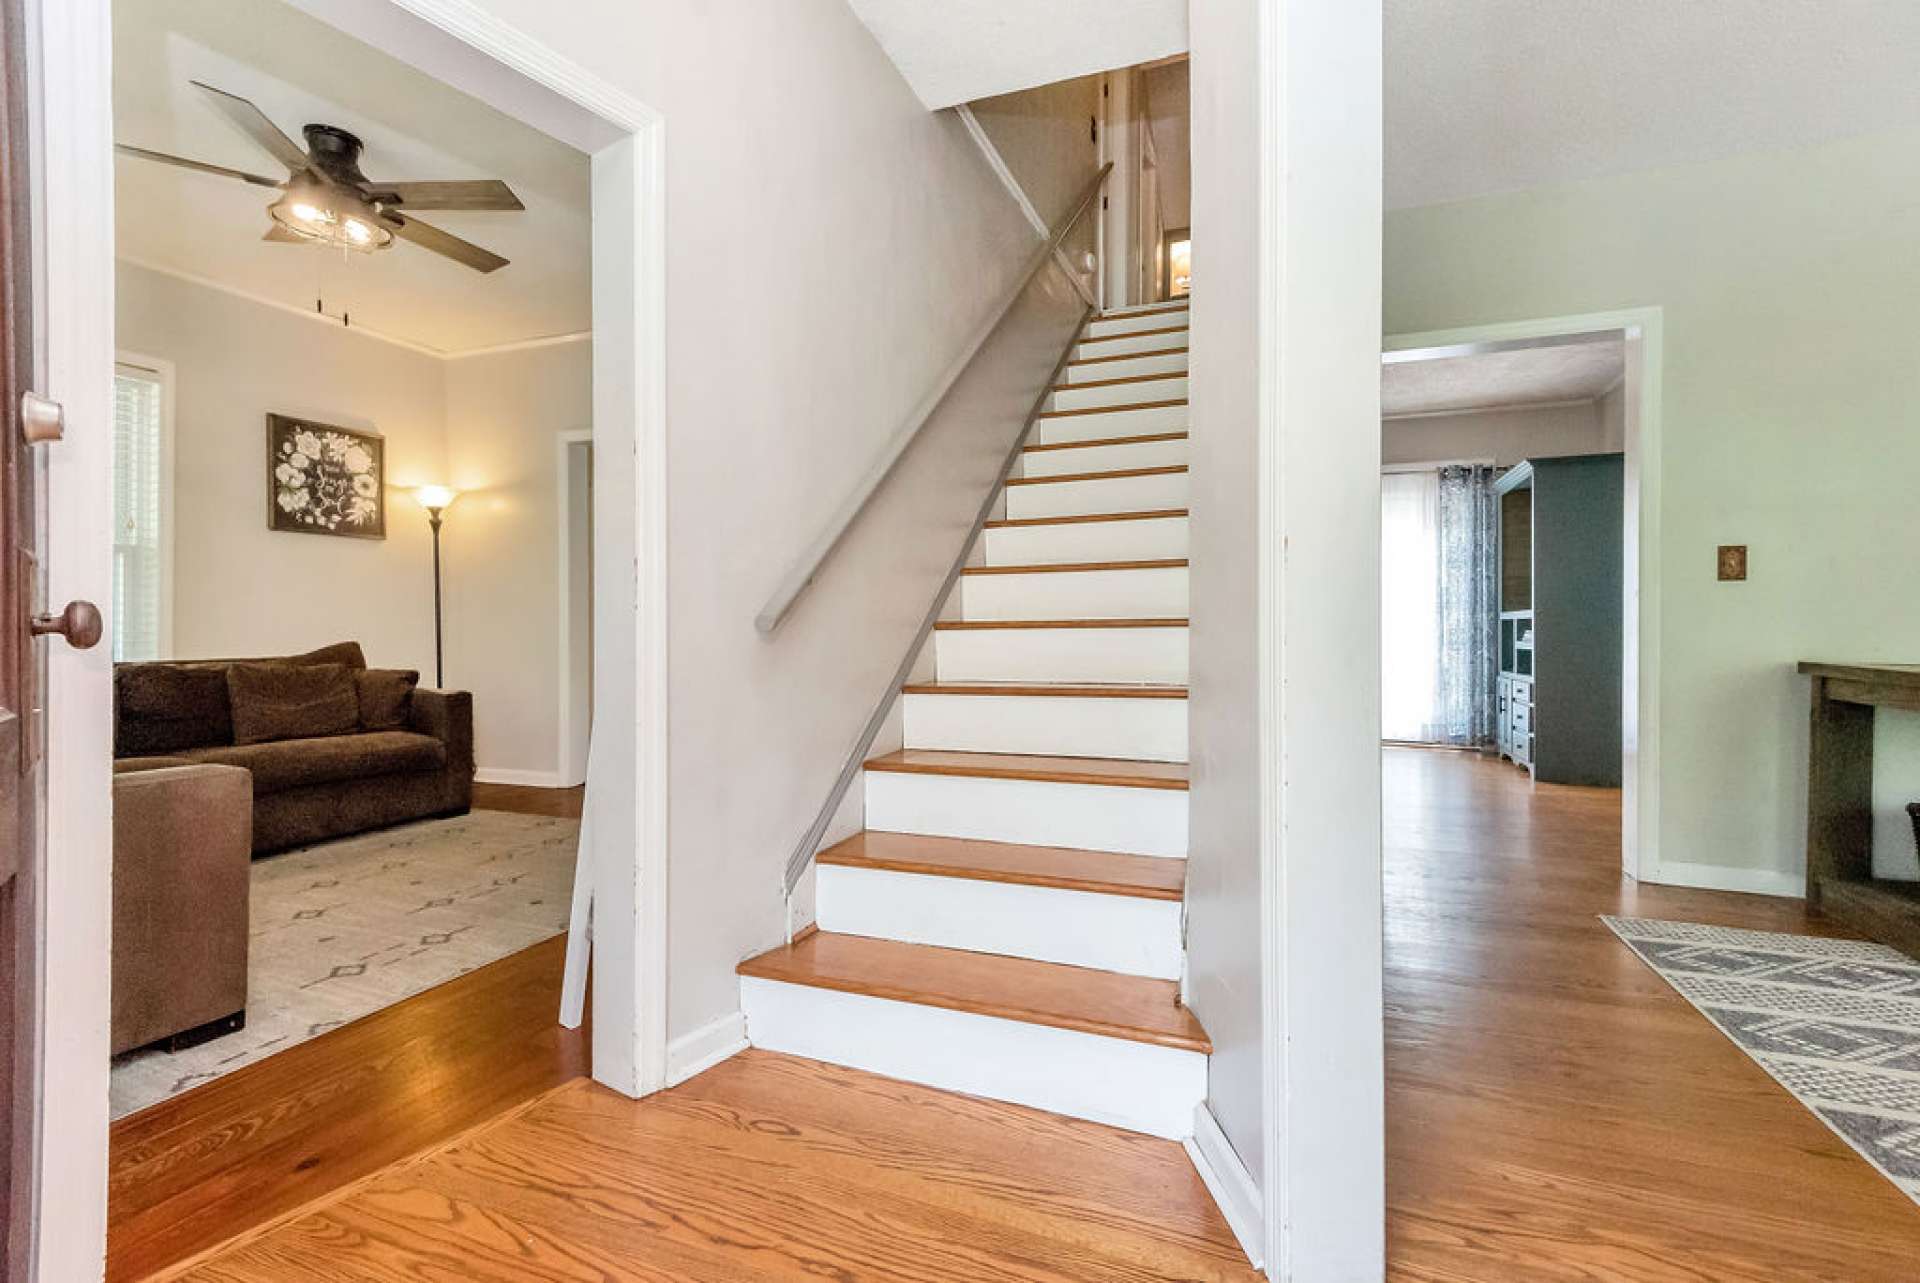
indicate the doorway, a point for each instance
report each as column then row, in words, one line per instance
column 575, row 473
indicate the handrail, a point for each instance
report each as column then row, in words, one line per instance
column 807, row 567
column 856, row 760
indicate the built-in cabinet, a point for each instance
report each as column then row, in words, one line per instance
column 1562, row 579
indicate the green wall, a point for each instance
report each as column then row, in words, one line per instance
column 1790, row 283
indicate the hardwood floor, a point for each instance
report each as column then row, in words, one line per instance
column 766, row 1167
column 1554, row 1110
column 195, row 1170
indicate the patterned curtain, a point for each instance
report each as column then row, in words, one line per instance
column 1469, row 605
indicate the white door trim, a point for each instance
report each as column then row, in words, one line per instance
column 572, row 755
column 1640, row 689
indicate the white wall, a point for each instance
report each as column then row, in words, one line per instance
column 241, row 589
column 1044, row 136
column 1787, row 280
column 501, row 546
column 820, row 276
column 1506, row 435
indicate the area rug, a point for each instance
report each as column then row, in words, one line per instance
column 1836, row 1022
column 342, row 929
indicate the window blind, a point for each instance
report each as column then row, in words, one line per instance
column 139, row 440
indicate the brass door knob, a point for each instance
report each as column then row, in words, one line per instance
column 79, row 623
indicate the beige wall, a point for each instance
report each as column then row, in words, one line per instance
column 501, row 544
column 1788, row 282
column 239, row 588
column 1044, row 137
column 1505, row 436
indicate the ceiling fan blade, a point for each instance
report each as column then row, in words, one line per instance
column 460, row 193
column 427, row 236
column 253, row 122
column 202, row 166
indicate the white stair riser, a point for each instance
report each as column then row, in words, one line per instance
column 1099, row 371
column 1174, row 389
column 1139, row 1086
column 1061, row 655
column 1126, row 367
column 1103, row 458
column 1128, row 934
column 1156, row 593
column 1148, row 730
column 1127, row 344
column 1093, row 817
column 1172, row 307
column 1112, row 494
column 1145, row 539
column 1132, row 323
column 1114, row 423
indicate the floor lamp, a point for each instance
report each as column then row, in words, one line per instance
column 436, row 500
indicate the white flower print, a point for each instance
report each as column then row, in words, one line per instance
column 327, row 480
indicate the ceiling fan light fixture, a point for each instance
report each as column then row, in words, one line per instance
column 331, row 218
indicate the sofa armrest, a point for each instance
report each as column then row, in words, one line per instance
column 448, row 717
column 182, row 855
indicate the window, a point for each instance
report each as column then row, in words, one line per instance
column 140, row 614
column 1409, row 606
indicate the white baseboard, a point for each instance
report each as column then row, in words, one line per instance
column 1721, row 877
column 1229, row 1181
column 528, row 779
column 696, row 1052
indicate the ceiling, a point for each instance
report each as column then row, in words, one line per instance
column 1498, row 95
column 1490, row 380
column 299, row 70
column 955, row 51
column 1168, row 111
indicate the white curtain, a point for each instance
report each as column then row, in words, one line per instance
column 1410, row 606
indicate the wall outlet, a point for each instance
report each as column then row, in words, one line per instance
column 1733, row 562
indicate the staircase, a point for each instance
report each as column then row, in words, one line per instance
column 1010, row 924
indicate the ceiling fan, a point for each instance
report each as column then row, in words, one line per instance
column 326, row 199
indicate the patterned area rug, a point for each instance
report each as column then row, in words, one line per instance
column 345, row 928
column 1836, row 1022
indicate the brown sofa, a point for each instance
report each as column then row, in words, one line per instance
column 334, row 748
column 182, row 843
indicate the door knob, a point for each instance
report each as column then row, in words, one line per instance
column 41, row 420
column 79, row 623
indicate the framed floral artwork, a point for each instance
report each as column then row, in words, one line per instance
column 324, row 480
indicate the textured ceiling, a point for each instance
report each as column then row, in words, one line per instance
column 1522, row 376
column 955, row 51
column 298, row 70
column 1499, row 95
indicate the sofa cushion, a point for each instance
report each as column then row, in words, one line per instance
column 330, row 759
column 286, row 702
column 162, row 708
column 346, row 652
column 128, row 765
column 386, row 695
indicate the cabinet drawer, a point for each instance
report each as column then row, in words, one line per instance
column 1520, row 717
column 1520, row 691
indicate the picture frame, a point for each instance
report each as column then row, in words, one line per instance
column 323, row 479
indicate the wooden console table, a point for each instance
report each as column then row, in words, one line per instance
column 1840, row 881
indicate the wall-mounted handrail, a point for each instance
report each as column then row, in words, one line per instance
column 806, row 568
column 809, row 843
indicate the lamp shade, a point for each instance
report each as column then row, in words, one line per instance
column 435, row 497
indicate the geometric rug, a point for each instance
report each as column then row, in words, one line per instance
column 342, row 929
column 1836, row 1022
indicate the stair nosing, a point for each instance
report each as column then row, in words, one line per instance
column 889, row 763
column 1112, row 409
column 1129, row 378
column 840, row 855
column 1087, row 518
column 1050, row 690
column 1145, row 438
column 1113, row 474
column 988, row 625
column 759, row 968
column 1133, row 334
column 1078, row 567
column 1129, row 356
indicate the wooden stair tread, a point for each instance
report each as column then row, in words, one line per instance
column 1105, row 1003
column 1133, row 334
column 1112, row 474
column 1144, row 877
column 1020, row 523
column 1127, row 356
column 1112, row 772
column 1072, row 567
column 981, row 625
column 1113, row 409
column 1130, row 378
column 1097, row 442
column 1064, row 690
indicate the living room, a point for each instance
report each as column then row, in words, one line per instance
column 352, row 570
